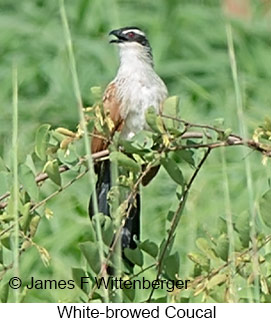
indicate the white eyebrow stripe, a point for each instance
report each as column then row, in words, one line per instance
column 136, row 31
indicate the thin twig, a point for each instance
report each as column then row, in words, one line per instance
column 176, row 218
column 232, row 140
column 129, row 199
column 197, row 125
column 35, row 206
column 216, row 271
column 62, row 169
column 142, row 271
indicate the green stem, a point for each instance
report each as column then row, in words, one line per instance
column 15, row 177
column 87, row 142
column 243, row 131
column 230, row 231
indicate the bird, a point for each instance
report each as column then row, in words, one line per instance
column 135, row 88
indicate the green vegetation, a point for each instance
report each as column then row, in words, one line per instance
column 191, row 42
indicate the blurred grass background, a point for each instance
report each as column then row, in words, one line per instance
column 191, row 55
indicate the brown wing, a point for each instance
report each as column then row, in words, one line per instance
column 111, row 104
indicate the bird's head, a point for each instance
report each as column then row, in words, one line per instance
column 132, row 40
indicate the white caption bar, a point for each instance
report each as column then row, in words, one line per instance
column 118, row 312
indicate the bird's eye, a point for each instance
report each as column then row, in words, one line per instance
column 131, row 34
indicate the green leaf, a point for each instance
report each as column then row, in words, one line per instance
column 67, row 156
column 205, row 247
column 265, row 207
column 134, row 255
column 149, row 247
column 30, row 164
column 58, row 136
column 4, row 290
column 170, row 215
column 171, row 265
column 34, row 224
column 267, row 257
column 153, row 120
column 184, row 155
column 77, row 273
column 124, row 160
column 216, row 280
column 197, row 270
column 170, row 106
column 170, row 109
column 141, row 143
column 199, row 259
column 130, row 147
column 139, row 159
column 130, row 294
column 107, row 231
column 173, row 170
column 90, row 252
column 222, row 225
column 5, row 240
column 227, row 133
column 217, row 294
column 27, row 179
column 26, row 216
column 51, row 168
column 243, row 228
column 42, row 140
column 222, row 248
column 264, row 285
column 143, row 139
column 1, row 254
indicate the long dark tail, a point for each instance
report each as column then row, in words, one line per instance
column 131, row 229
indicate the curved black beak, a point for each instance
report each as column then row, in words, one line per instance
column 120, row 37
